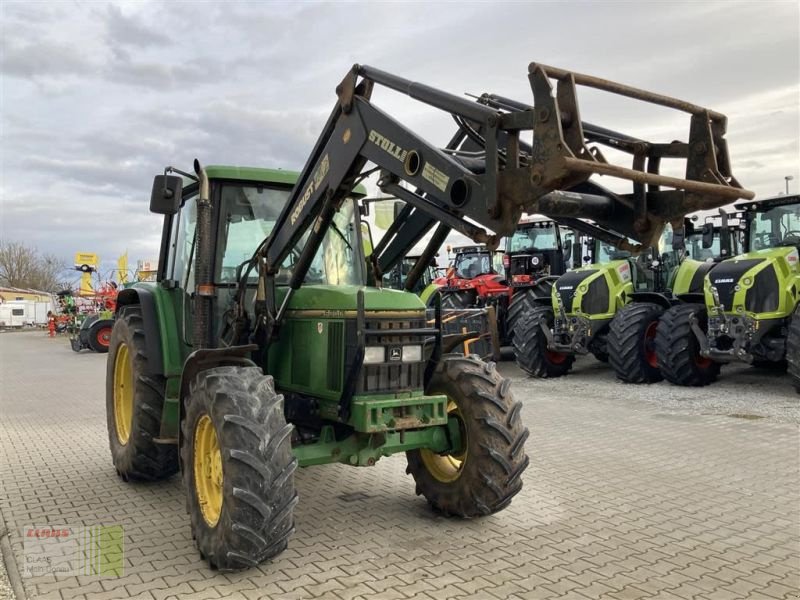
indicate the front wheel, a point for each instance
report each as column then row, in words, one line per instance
column 482, row 476
column 238, row 467
column 793, row 349
column 530, row 346
column 678, row 348
column 631, row 343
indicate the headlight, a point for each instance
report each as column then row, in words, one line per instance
column 412, row 353
column 374, row 354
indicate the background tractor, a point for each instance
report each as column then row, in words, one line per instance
column 748, row 310
column 611, row 309
column 262, row 347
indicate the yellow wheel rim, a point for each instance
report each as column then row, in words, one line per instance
column 208, row 470
column 123, row 394
column 447, row 467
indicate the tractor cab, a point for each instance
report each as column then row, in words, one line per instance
column 720, row 236
column 773, row 222
column 539, row 248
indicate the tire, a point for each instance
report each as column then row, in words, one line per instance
column 99, row 337
column 459, row 300
column 793, row 349
column 522, row 303
column 530, row 346
column 237, row 411
column 601, row 356
column 678, row 349
column 484, row 478
column 135, row 454
column 631, row 343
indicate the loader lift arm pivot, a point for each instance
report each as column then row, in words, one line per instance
column 459, row 195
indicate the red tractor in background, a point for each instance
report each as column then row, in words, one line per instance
column 536, row 254
column 474, row 277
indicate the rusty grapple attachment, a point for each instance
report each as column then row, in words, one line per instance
column 552, row 176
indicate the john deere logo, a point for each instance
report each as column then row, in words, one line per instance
column 319, row 327
column 395, row 353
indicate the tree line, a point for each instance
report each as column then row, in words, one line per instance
column 23, row 266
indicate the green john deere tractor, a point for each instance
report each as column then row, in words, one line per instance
column 261, row 347
column 238, row 435
column 749, row 308
column 610, row 309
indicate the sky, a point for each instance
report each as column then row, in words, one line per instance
column 97, row 98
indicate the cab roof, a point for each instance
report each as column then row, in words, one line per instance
column 767, row 203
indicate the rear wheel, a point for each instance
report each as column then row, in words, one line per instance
column 134, row 404
column 458, row 300
column 678, row 349
column 238, row 467
column 793, row 349
column 631, row 343
column 530, row 346
column 482, row 476
column 99, row 337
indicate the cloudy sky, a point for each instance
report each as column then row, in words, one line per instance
column 97, row 98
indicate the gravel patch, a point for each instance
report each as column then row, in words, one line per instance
column 741, row 392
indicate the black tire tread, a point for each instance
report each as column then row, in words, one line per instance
column 141, row 458
column 259, row 493
column 677, row 346
column 626, row 352
column 496, row 439
column 459, row 300
column 523, row 303
column 530, row 346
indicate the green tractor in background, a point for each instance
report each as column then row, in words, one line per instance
column 611, row 309
column 749, row 308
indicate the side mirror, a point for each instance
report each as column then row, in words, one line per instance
column 708, row 235
column 165, row 199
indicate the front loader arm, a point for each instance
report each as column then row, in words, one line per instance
column 485, row 198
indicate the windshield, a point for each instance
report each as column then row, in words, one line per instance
column 249, row 216
column 774, row 227
column 540, row 237
column 472, row 264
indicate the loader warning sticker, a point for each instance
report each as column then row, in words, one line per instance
column 624, row 271
column 435, row 176
column 791, row 258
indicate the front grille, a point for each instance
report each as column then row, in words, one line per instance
column 725, row 277
column 595, row 300
column 335, row 349
column 568, row 283
column 764, row 296
column 393, row 376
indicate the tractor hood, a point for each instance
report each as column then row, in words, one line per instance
column 345, row 298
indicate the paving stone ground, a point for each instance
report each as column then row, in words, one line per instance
column 633, row 492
